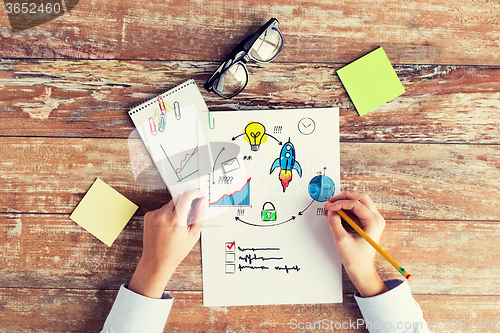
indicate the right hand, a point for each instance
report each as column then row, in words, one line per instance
column 356, row 254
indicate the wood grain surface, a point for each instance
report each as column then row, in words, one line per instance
column 461, row 32
column 430, row 158
column 442, row 104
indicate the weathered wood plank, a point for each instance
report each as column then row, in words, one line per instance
column 64, row 310
column 421, row 31
column 91, row 98
column 436, row 310
column 51, row 251
column 51, row 175
column 426, row 181
column 54, row 310
column 458, row 254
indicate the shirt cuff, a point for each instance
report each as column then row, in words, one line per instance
column 392, row 311
column 132, row 312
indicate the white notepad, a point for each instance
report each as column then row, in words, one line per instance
column 169, row 127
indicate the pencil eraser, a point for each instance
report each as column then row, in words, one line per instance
column 408, row 277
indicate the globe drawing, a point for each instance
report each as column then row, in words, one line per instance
column 321, row 188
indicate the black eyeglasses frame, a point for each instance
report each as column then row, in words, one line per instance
column 241, row 54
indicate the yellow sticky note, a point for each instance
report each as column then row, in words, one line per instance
column 103, row 212
column 370, row 81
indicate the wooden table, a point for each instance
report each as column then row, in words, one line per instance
column 430, row 158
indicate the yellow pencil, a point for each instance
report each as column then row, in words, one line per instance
column 374, row 244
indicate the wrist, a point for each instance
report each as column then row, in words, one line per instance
column 149, row 281
column 367, row 282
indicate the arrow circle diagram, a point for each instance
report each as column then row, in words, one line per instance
column 264, row 225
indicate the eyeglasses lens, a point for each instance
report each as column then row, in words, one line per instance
column 267, row 46
column 232, row 80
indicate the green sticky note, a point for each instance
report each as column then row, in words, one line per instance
column 370, row 81
column 103, row 212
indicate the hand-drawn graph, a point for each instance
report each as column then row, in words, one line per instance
column 183, row 164
column 237, row 198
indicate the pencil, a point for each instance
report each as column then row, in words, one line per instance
column 374, row 244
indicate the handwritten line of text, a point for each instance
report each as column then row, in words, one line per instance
column 248, row 258
column 258, row 249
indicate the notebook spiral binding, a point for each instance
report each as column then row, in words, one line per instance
column 142, row 106
column 151, row 101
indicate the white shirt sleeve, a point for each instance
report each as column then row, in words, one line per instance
column 132, row 312
column 392, row 311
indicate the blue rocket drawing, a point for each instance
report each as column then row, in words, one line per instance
column 286, row 162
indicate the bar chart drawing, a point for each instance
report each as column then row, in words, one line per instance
column 237, row 198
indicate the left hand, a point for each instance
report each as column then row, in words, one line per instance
column 167, row 241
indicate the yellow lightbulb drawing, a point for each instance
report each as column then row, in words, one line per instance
column 255, row 134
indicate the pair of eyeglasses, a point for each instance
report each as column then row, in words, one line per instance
column 232, row 75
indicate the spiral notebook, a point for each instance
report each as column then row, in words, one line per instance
column 169, row 127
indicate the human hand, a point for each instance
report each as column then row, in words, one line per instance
column 167, row 241
column 356, row 254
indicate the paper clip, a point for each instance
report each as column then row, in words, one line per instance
column 163, row 123
column 177, row 109
column 163, row 109
column 212, row 124
column 158, row 116
column 152, row 126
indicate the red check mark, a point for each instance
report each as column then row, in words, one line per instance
column 230, row 246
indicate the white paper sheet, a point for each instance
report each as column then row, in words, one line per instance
column 272, row 245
